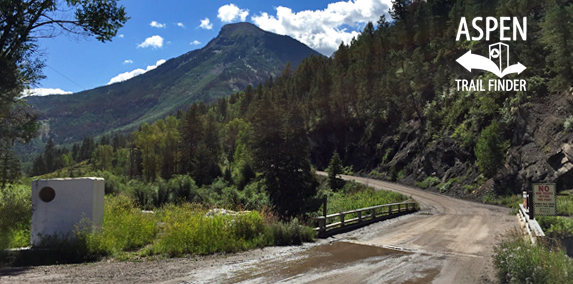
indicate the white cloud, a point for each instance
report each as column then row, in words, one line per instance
column 121, row 36
column 206, row 24
column 128, row 61
column 154, row 41
column 323, row 30
column 157, row 25
column 180, row 25
column 128, row 75
column 229, row 13
column 45, row 92
column 195, row 42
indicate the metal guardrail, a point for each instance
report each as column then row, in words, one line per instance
column 373, row 214
column 530, row 225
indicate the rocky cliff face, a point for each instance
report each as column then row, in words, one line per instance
column 541, row 151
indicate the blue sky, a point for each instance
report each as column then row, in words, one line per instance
column 162, row 29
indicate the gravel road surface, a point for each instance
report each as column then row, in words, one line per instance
column 448, row 241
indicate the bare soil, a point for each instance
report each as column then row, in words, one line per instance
column 448, row 241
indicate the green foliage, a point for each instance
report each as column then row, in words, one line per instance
column 334, row 170
column 556, row 35
column 568, row 124
column 490, row 150
column 9, row 164
column 190, row 232
column 158, row 145
column 463, row 134
column 280, row 151
column 289, row 233
column 16, row 212
column 556, row 227
column 511, row 201
column 565, row 204
column 428, row 182
column 102, row 157
column 355, row 196
column 468, row 188
column 22, row 22
column 444, row 187
column 174, row 230
column 518, row 261
column 125, row 228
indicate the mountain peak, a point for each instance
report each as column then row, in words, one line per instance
column 239, row 29
column 241, row 55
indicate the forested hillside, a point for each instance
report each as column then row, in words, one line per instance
column 242, row 54
column 387, row 103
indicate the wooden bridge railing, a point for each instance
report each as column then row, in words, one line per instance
column 530, row 225
column 362, row 217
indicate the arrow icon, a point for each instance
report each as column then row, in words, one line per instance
column 473, row 61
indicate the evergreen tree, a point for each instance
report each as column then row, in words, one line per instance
column 280, row 152
column 334, row 171
column 490, row 150
column 87, row 148
column 102, row 157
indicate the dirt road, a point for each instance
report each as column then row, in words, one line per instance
column 448, row 241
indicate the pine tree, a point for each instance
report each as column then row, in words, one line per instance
column 280, row 151
column 334, row 170
column 490, row 150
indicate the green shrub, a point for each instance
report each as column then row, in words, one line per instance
column 252, row 197
column 443, row 187
column 428, row 182
column 518, row 261
column 375, row 173
column 468, row 188
column 511, row 201
column 490, row 150
column 125, row 228
column 334, row 170
column 463, row 134
column 183, row 188
column 289, row 233
column 568, row 124
column 355, row 196
column 556, row 227
column 16, row 215
column 189, row 231
column 565, row 204
column 255, row 196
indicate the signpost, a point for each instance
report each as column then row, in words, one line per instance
column 544, row 203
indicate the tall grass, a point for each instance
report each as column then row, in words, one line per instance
column 518, row 261
column 565, row 205
column 428, row 182
column 355, row 196
column 189, row 231
column 182, row 229
column 556, row 226
column 510, row 201
column 125, row 228
column 15, row 216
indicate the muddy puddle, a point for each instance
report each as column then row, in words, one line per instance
column 314, row 261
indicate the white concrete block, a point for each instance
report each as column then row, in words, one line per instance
column 58, row 205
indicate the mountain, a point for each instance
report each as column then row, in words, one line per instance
column 240, row 55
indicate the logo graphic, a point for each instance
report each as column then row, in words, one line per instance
column 497, row 63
